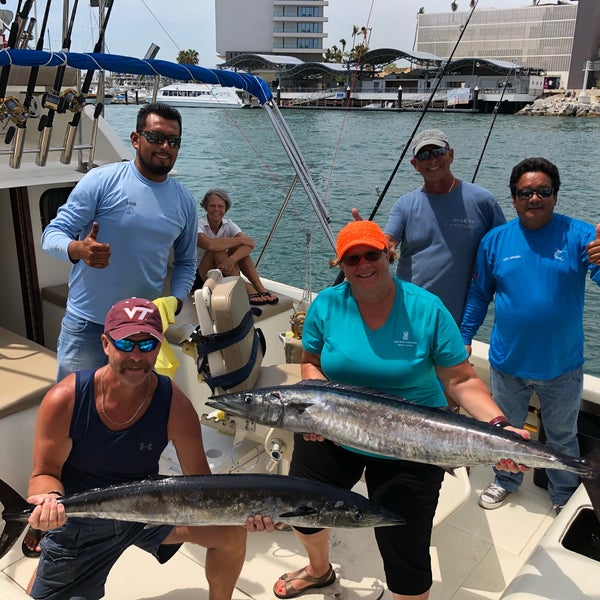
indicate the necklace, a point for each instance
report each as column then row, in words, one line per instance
column 137, row 410
column 451, row 185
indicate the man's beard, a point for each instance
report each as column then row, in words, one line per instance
column 152, row 168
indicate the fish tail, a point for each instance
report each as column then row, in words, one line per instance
column 592, row 482
column 14, row 524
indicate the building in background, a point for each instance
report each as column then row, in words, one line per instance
column 286, row 27
column 561, row 38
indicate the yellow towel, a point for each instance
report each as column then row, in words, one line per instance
column 166, row 363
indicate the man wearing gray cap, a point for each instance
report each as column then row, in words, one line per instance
column 438, row 226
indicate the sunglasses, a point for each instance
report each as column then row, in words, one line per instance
column 354, row 259
column 126, row 345
column 154, row 137
column 435, row 152
column 541, row 192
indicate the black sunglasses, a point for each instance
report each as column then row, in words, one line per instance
column 126, row 345
column 427, row 154
column 354, row 259
column 541, row 192
column 153, row 137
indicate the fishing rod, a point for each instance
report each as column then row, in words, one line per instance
column 17, row 153
column 53, row 100
column 495, row 114
column 438, row 81
column 78, row 103
column 10, row 108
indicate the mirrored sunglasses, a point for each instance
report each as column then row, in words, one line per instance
column 435, row 152
column 354, row 259
column 541, row 192
column 153, row 137
column 127, row 345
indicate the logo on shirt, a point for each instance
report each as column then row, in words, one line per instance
column 560, row 254
column 405, row 342
column 145, row 446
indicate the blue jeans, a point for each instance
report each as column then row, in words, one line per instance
column 560, row 401
column 79, row 346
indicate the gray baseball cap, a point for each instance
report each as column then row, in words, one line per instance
column 430, row 137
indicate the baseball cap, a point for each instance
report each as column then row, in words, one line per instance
column 430, row 137
column 133, row 315
column 360, row 233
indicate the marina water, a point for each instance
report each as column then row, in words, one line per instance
column 351, row 155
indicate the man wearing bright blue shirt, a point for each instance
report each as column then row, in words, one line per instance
column 535, row 269
column 118, row 228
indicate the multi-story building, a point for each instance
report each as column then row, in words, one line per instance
column 287, row 27
column 561, row 38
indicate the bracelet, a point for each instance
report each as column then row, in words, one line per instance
column 59, row 494
column 500, row 421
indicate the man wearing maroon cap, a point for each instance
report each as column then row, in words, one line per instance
column 109, row 426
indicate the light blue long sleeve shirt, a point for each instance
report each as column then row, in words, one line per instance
column 537, row 279
column 142, row 221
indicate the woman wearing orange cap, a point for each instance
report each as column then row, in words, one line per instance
column 378, row 331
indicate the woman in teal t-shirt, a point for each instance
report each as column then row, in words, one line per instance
column 377, row 331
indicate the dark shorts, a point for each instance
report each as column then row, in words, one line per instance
column 77, row 557
column 409, row 489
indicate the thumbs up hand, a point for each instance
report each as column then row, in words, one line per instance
column 593, row 248
column 93, row 253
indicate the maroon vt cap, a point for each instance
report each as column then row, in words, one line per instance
column 131, row 316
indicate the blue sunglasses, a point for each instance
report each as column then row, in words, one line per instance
column 126, row 345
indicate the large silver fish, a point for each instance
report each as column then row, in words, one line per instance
column 385, row 424
column 209, row 500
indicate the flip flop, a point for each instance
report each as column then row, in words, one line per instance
column 34, row 536
column 273, row 298
column 257, row 299
column 302, row 575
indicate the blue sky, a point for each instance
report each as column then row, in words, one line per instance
column 183, row 24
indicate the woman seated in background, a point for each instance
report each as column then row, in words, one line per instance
column 222, row 245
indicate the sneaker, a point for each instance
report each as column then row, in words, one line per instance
column 493, row 496
column 557, row 508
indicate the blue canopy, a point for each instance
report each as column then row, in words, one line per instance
column 124, row 64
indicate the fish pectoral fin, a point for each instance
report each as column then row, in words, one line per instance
column 449, row 470
column 300, row 511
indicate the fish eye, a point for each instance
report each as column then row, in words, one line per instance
column 359, row 516
column 248, row 399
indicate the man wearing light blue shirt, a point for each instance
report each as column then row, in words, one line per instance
column 118, row 228
column 535, row 268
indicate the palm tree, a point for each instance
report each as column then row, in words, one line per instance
column 187, row 57
column 343, row 43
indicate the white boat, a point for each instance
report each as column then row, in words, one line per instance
column 199, row 95
column 516, row 552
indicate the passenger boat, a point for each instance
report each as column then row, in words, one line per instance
column 199, row 95
column 516, row 552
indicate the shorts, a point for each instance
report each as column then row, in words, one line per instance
column 77, row 557
column 407, row 488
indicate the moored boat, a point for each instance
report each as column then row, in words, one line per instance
column 199, row 95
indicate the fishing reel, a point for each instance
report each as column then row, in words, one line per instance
column 69, row 99
column 11, row 109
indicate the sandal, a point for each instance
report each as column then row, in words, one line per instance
column 257, row 299
column 302, row 575
column 270, row 298
column 31, row 542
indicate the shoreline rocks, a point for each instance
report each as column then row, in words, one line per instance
column 569, row 104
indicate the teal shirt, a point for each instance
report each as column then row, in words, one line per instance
column 398, row 358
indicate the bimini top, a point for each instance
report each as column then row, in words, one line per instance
column 136, row 66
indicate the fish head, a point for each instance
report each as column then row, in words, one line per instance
column 263, row 405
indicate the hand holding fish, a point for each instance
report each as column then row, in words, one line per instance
column 593, row 248
column 48, row 512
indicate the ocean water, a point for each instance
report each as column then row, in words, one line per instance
column 351, row 156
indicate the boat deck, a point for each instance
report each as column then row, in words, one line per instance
column 468, row 565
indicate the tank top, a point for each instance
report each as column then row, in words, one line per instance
column 101, row 456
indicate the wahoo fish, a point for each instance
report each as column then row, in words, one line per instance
column 384, row 424
column 208, row 500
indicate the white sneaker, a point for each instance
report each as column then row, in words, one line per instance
column 493, row 496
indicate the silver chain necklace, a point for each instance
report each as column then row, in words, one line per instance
column 137, row 410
